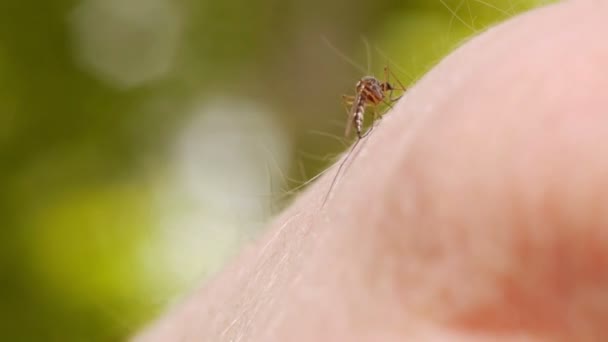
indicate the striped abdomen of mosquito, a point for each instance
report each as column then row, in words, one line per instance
column 358, row 110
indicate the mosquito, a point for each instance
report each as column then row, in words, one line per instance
column 370, row 92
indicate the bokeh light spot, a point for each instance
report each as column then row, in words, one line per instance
column 126, row 43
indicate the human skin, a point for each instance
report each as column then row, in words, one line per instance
column 476, row 211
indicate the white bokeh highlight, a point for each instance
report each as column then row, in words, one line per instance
column 227, row 160
column 126, row 43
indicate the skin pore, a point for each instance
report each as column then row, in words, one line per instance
column 476, row 211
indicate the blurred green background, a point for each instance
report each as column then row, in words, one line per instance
column 143, row 141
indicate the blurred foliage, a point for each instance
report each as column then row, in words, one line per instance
column 94, row 98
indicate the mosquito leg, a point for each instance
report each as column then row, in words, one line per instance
column 348, row 101
column 335, row 180
column 391, row 99
column 386, row 77
column 388, row 72
column 389, row 104
column 377, row 116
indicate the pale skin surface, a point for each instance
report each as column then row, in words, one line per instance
column 476, row 211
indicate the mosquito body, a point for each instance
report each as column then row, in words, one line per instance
column 370, row 92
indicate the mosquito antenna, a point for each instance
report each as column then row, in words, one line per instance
column 342, row 55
